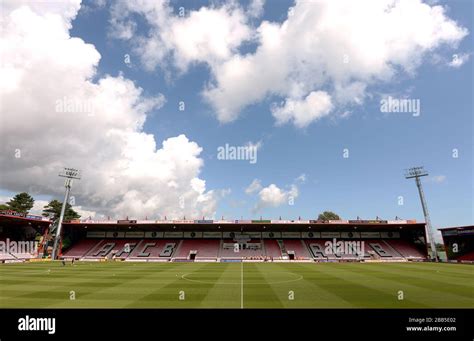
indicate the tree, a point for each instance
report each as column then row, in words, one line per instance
column 21, row 203
column 4, row 207
column 53, row 211
column 328, row 215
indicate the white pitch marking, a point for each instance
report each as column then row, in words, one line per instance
column 242, row 285
column 299, row 278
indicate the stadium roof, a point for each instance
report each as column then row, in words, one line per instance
column 457, row 228
column 466, row 227
column 14, row 218
column 248, row 225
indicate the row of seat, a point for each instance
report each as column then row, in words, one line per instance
column 135, row 249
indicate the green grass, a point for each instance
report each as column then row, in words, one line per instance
column 229, row 285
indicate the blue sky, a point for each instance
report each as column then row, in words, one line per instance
column 381, row 145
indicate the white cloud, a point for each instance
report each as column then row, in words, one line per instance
column 303, row 112
column 4, row 199
column 437, row 178
column 301, row 179
column 255, row 186
column 87, row 213
column 210, row 34
column 255, row 8
column 273, row 196
column 38, row 206
column 124, row 172
column 312, row 50
column 340, row 48
column 254, row 145
column 458, row 60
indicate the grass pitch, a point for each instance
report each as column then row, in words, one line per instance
column 236, row 285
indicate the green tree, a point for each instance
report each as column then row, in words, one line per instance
column 328, row 215
column 53, row 211
column 21, row 203
column 4, row 207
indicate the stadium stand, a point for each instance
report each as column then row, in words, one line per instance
column 467, row 257
column 373, row 249
column 81, row 248
column 154, row 249
column 10, row 255
column 208, row 240
column 459, row 243
column 212, row 249
column 23, row 255
column 6, row 256
column 316, row 248
column 198, row 249
column 272, row 249
column 404, row 248
column 250, row 249
column 379, row 249
column 296, row 249
column 112, row 248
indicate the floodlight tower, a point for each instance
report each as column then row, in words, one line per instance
column 417, row 172
column 69, row 174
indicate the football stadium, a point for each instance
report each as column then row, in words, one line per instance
column 301, row 168
column 228, row 264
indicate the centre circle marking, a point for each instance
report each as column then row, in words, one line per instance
column 248, row 281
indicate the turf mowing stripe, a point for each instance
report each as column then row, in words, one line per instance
column 451, row 271
column 225, row 291
column 309, row 293
column 119, row 284
column 413, row 295
column 258, row 290
column 467, row 269
column 87, row 287
column 128, row 287
column 288, row 289
column 52, row 286
column 158, row 275
column 421, row 290
column 464, row 287
column 360, row 290
column 194, row 293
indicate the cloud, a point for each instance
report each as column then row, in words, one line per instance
column 255, row 186
column 311, row 51
column 326, row 51
column 273, row 196
column 301, row 179
column 39, row 205
column 303, row 112
column 255, row 8
column 458, row 60
column 210, row 34
column 62, row 114
column 437, row 178
column 255, row 145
